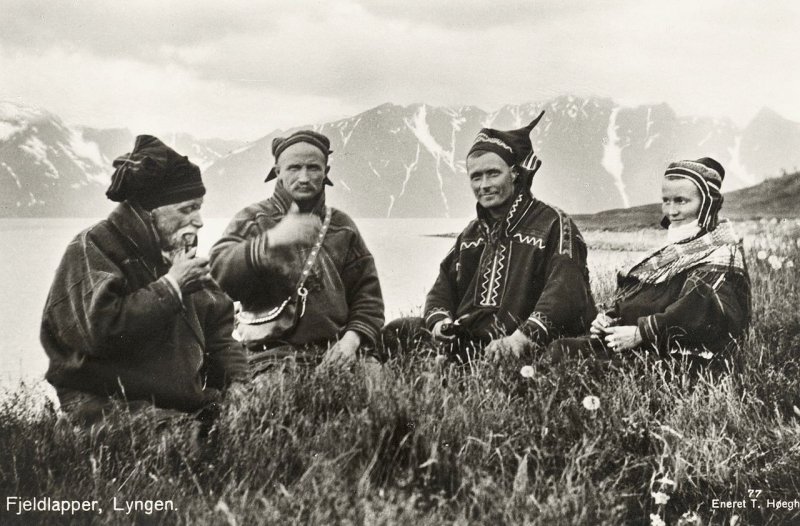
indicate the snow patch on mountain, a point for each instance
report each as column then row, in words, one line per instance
column 612, row 155
column 735, row 165
column 419, row 127
column 648, row 126
column 377, row 174
column 38, row 150
column 13, row 175
column 343, row 125
column 7, row 130
column 409, row 170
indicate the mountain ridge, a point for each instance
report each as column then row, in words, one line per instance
column 407, row 161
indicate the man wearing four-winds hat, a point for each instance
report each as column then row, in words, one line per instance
column 516, row 277
column 306, row 281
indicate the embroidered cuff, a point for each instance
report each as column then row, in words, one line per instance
column 648, row 329
column 256, row 250
column 367, row 333
column 537, row 328
column 434, row 316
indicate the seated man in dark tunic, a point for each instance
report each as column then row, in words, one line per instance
column 516, row 277
column 690, row 297
column 305, row 278
column 133, row 317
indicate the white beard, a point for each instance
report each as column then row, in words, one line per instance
column 679, row 233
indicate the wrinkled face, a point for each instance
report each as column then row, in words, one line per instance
column 492, row 180
column 177, row 224
column 680, row 200
column 302, row 168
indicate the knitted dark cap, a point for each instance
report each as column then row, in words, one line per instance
column 707, row 175
column 512, row 145
column 153, row 175
column 279, row 144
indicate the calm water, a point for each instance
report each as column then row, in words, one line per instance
column 406, row 257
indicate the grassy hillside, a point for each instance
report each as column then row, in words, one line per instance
column 778, row 197
column 480, row 446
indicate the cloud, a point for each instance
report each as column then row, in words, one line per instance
column 150, row 30
column 468, row 14
column 293, row 63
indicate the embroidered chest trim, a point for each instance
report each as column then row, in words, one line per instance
column 565, row 227
column 494, row 277
column 529, row 240
column 471, row 244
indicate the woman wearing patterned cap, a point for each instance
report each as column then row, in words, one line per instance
column 691, row 297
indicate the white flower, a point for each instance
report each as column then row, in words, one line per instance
column 789, row 264
column 762, row 255
column 775, row 261
column 526, row 371
column 660, row 498
column 707, row 355
column 664, row 481
column 592, row 403
column 655, row 520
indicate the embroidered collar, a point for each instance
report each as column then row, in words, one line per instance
column 722, row 248
column 521, row 202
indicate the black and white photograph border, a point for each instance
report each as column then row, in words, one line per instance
column 393, row 98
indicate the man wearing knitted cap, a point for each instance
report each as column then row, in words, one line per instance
column 516, row 277
column 306, row 281
column 132, row 315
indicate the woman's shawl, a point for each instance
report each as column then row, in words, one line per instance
column 720, row 250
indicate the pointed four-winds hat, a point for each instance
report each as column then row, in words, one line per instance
column 513, row 146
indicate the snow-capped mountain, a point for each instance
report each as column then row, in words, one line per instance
column 48, row 168
column 408, row 161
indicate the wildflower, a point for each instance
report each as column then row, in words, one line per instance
column 526, row 371
column 592, row 403
column 707, row 355
column 762, row 255
column 655, row 520
column 660, row 498
column 775, row 262
column 789, row 264
column 664, row 481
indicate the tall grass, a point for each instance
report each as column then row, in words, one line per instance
column 470, row 446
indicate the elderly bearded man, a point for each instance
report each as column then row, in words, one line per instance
column 132, row 314
column 304, row 276
column 516, row 277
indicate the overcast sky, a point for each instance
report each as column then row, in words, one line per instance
column 239, row 69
